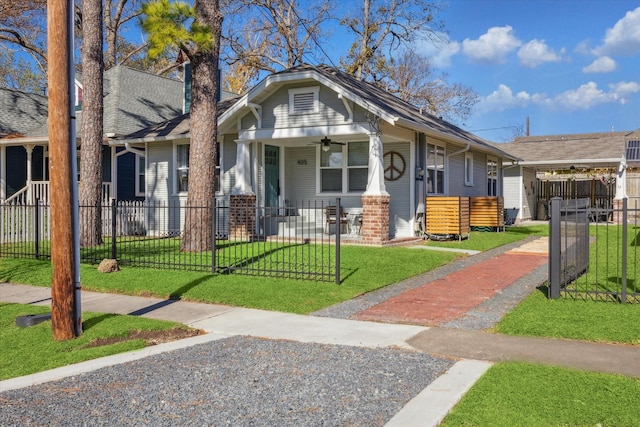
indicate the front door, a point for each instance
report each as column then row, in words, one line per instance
column 272, row 175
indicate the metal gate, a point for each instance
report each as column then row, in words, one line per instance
column 598, row 261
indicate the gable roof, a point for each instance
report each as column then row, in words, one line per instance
column 20, row 112
column 603, row 149
column 133, row 100
column 381, row 103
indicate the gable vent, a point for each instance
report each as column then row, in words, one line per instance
column 304, row 102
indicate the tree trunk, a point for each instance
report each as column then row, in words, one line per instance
column 92, row 125
column 204, row 131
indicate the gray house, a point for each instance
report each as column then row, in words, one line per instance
column 132, row 100
column 568, row 166
column 314, row 133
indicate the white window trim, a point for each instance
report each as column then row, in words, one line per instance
column 315, row 90
column 345, row 174
column 468, row 169
column 175, row 168
column 440, row 149
column 139, row 193
column 495, row 161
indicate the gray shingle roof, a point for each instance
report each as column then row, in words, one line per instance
column 20, row 112
column 133, row 100
column 590, row 149
column 371, row 94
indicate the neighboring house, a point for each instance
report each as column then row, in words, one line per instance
column 132, row 100
column 316, row 133
column 568, row 166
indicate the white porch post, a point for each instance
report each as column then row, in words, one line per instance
column 29, row 148
column 243, row 169
column 3, row 173
column 375, row 178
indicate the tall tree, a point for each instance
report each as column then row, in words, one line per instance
column 380, row 27
column 274, row 35
column 411, row 77
column 23, row 26
column 90, row 194
column 195, row 30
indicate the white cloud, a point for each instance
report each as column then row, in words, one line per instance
column 439, row 49
column 624, row 37
column 584, row 97
column 601, row 65
column 503, row 98
column 589, row 95
column 491, row 47
column 537, row 52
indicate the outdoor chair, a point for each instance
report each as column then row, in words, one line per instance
column 331, row 218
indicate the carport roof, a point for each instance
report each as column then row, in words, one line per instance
column 589, row 150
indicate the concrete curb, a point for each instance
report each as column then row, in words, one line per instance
column 432, row 404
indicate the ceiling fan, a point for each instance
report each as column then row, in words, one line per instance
column 326, row 143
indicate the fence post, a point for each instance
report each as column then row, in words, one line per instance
column 114, row 211
column 554, row 248
column 36, row 228
column 214, row 214
column 625, row 226
column 338, row 227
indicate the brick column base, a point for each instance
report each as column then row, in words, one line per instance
column 242, row 216
column 617, row 211
column 375, row 218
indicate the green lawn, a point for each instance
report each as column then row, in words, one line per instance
column 524, row 394
column 363, row 269
column 33, row 349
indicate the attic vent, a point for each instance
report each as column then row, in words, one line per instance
column 633, row 151
column 303, row 100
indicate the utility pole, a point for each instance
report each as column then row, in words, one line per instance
column 65, row 287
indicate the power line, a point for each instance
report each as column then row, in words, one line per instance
column 313, row 36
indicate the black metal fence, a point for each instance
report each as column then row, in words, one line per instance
column 293, row 241
column 597, row 261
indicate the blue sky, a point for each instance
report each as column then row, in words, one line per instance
column 571, row 66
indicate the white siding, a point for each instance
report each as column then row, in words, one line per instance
column 511, row 188
column 528, row 194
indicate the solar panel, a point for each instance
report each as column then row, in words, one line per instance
column 633, row 150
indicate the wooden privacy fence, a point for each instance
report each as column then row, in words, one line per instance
column 447, row 216
column 486, row 211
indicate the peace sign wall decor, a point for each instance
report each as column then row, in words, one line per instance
column 396, row 167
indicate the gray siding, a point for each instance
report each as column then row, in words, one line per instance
column 300, row 173
column 528, row 194
column 159, row 176
column 400, row 192
column 275, row 110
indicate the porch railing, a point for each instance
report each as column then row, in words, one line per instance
column 39, row 190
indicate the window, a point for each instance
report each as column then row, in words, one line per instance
column 304, row 100
column 633, row 151
column 182, row 168
column 435, row 169
column 468, row 169
column 492, row 176
column 358, row 165
column 336, row 174
column 140, row 175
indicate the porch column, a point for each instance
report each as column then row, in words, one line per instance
column 242, row 201
column 3, row 173
column 621, row 190
column 375, row 200
column 29, row 148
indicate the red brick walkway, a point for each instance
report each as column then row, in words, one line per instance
column 450, row 297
